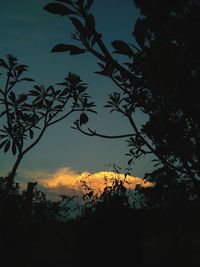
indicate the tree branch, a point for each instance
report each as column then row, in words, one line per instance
column 61, row 118
column 93, row 133
column 36, row 141
column 164, row 161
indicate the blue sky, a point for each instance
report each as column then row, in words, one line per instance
column 29, row 33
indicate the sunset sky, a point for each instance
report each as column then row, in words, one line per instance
column 29, row 33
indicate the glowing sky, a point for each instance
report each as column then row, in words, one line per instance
column 29, row 33
column 67, row 181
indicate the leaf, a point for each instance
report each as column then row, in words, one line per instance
column 39, row 104
column 90, row 25
column 12, row 82
column 58, row 9
column 118, row 78
column 37, row 88
column 3, row 113
column 12, row 96
column 157, row 164
column 3, row 143
column 22, row 98
column 27, row 79
column 31, row 133
column 14, row 150
column 130, row 161
column 50, row 89
column 78, row 25
column 60, row 48
column 7, row 146
column 122, row 48
column 64, row 93
column 93, row 42
column 83, row 118
column 22, row 67
column 3, row 64
column 34, row 93
column 73, row 50
column 65, row 1
column 77, row 51
column 91, row 110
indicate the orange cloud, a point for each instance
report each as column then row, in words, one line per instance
column 67, row 181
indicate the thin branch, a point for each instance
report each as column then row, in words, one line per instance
column 11, row 86
column 103, row 47
column 93, row 133
column 61, row 118
column 2, row 114
column 63, row 105
column 119, row 85
column 109, row 59
column 96, row 53
column 36, row 141
column 164, row 161
column 28, row 127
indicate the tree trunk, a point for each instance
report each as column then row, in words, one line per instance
column 11, row 176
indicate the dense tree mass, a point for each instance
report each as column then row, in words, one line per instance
column 169, row 65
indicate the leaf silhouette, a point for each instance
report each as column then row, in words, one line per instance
column 64, row 1
column 3, row 143
column 73, row 50
column 130, row 161
column 31, row 133
column 27, row 79
column 14, row 150
column 58, row 9
column 90, row 25
column 7, row 146
column 78, row 25
column 3, row 64
column 83, row 118
column 12, row 96
column 122, row 48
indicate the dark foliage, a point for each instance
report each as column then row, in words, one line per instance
column 109, row 231
column 26, row 117
column 160, row 77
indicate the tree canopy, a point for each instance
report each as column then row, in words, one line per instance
column 159, row 76
column 25, row 117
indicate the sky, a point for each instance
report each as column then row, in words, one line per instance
column 29, row 33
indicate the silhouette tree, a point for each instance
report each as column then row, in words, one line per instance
column 26, row 117
column 160, row 77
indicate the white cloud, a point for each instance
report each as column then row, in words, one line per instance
column 67, row 181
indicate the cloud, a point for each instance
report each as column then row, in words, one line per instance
column 67, row 181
